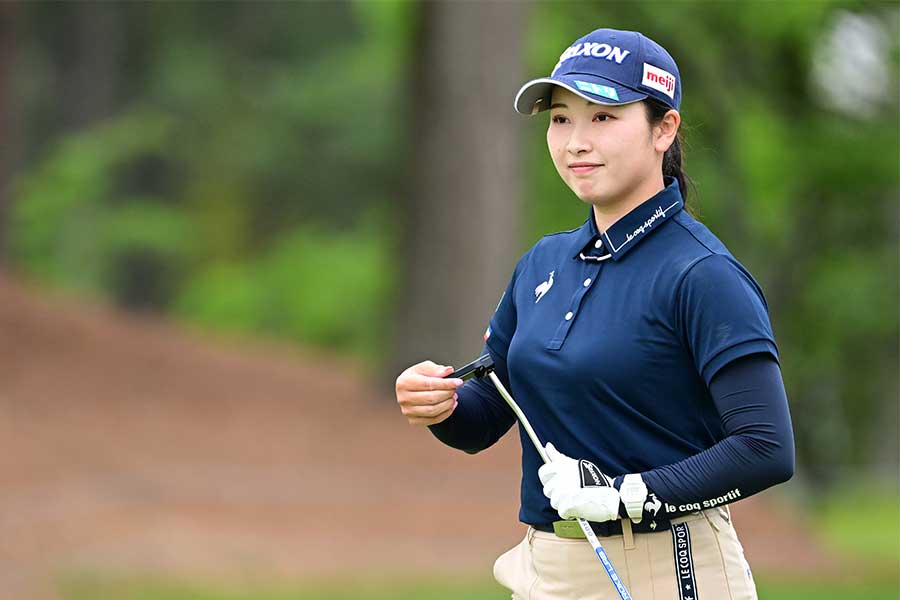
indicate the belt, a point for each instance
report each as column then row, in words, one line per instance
column 571, row 529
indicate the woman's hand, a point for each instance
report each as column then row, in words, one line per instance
column 424, row 396
column 577, row 488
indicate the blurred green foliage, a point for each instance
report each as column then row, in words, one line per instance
column 71, row 223
column 75, row 226
column 247, row 178
column 323, row 288
column 245, row 188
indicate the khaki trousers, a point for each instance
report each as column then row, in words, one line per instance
column 700, row 558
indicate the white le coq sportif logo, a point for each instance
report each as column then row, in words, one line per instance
column 653, row 504
column 659, row 79
column 593, row 50
column 543, row 288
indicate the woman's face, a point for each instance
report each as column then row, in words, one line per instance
column 616, row 140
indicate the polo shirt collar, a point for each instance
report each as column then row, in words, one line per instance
column 628, row 231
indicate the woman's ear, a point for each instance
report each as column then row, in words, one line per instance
column 664, row 134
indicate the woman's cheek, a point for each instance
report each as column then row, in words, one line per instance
column 559, row 161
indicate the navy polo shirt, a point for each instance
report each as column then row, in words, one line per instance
column 611, row 358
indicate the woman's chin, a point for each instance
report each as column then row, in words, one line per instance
column 594, row 194
column 589, row 196
column 587, row 193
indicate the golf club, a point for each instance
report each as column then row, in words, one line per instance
column 485, row 366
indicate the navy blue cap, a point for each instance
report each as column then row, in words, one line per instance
column 608, row 66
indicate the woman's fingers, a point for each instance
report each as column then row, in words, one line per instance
column 433, row 420
column 419, row 382
column 423, row 394
column 428, row 411
column 425, row 398
column 547, row 472
column 431, row 369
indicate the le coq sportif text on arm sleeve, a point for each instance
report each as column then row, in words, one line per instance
column 757, row 452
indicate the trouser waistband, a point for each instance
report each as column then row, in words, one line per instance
column 571, row 529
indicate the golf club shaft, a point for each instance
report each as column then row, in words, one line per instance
column 585, row 526
column 522, row 418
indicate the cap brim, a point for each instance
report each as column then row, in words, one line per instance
column 534, row 96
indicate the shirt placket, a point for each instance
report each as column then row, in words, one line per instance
column 590, row 272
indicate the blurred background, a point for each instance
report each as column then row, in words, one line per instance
column 226, row 227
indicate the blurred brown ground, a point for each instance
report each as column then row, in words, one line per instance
column 132, row 446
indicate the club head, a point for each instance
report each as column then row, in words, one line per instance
column 478, row 368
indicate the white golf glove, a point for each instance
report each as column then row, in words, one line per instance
column 577, row 488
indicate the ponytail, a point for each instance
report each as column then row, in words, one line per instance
column 671, row 164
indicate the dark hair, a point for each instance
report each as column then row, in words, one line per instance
column 671, row 165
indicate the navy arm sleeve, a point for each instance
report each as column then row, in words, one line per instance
column 482, row 416
column 757, row 452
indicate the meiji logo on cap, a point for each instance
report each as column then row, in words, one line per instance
column 658, row 79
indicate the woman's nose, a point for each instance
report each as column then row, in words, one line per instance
column 578, row 141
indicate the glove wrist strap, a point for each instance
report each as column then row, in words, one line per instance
column 591, row 476
column 633, row 493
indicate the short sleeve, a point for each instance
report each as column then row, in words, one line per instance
column 722, row 314
column 502, row 325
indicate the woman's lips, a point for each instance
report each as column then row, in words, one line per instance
column 582, row 169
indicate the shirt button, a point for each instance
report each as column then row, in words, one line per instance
column 598, row 243
column 587, row 282
column 569, row 316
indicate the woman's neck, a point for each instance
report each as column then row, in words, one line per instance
column 605, row 215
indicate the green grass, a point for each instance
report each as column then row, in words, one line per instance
column 823, row 591
column 427, row 590
column 863, row 520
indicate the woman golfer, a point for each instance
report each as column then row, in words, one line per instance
column 638, row 347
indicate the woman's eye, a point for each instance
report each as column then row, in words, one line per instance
column 601, row 117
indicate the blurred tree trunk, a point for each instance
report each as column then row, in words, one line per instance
column 461, row 220
column 9, row 140
column 89, row 57
column 87, row 43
